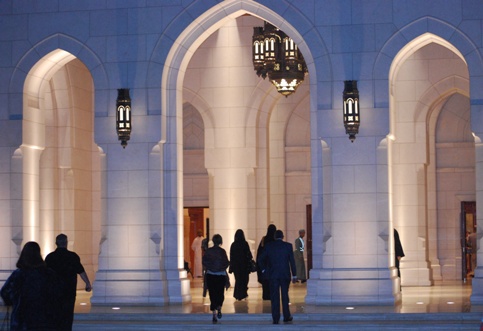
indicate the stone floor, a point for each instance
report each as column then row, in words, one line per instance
column 444, row 306
column 448, row 297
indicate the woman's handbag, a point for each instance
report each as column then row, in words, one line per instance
column 252, row 266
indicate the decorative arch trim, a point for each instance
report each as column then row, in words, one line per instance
column 435, row 30
column 42, row 49
column 171, row 65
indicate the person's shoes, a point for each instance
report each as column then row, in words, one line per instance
column 288, row 319
column 215, row 320
column 220, row 315
column 275, row 322
column 303, row 281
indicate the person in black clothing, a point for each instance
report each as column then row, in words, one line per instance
column 33, row 290
column 240, row 257
column 399, row 252
column 67, row 264
column 216, row 261
column 204, row 247
column 262, row 279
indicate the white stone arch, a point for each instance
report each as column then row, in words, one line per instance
column 57, row 125
column 411, row 48
column 412, row 170
column 68, row 44
column 204, row 109
column 175, row 64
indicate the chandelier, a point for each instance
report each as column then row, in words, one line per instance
column 277, row 56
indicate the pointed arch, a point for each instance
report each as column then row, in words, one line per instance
column 429, row 29
column 76, row 49
column 413, row 113
column 57, row 148
column 165, row 95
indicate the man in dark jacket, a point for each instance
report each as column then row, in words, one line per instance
column 67, row 265
column 277, row 260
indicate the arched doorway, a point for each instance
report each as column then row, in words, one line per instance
column 59, row 160
column 429, row 97
column 172, row 97
column 246, row 148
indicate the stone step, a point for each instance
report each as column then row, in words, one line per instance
column 417, row 321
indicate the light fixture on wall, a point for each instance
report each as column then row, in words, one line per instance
column 351, row 108
column 123, row 116
column 277, row 56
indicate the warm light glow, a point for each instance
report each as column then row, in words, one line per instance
column 120, row 110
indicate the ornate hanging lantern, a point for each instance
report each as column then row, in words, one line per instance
column 123, row 116
column 350, row 97
column 277, row 56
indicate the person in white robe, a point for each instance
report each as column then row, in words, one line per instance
column 196, row 247
column 299, row 256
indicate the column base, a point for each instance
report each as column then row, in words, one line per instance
column 476, row 297
column 416, row 276
column 140, row 287
column 350, row 287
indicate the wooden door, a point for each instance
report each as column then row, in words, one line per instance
column 196, row 223
column 468, row 238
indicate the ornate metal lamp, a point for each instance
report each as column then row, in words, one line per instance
column 351, row 109
column 277, row 56
column 123, row 116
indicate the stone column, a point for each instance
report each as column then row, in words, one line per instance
column 477, row 282
column 233, row 199
column 351, row 259
column 141, row 246
column 31, row 191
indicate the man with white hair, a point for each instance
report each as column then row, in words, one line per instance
column 299, row 256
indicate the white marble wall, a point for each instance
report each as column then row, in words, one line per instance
column 409, row 59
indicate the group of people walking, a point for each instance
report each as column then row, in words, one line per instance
column 277, row 265
column 42, row 293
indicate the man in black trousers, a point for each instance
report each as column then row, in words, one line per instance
column 277, row 262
